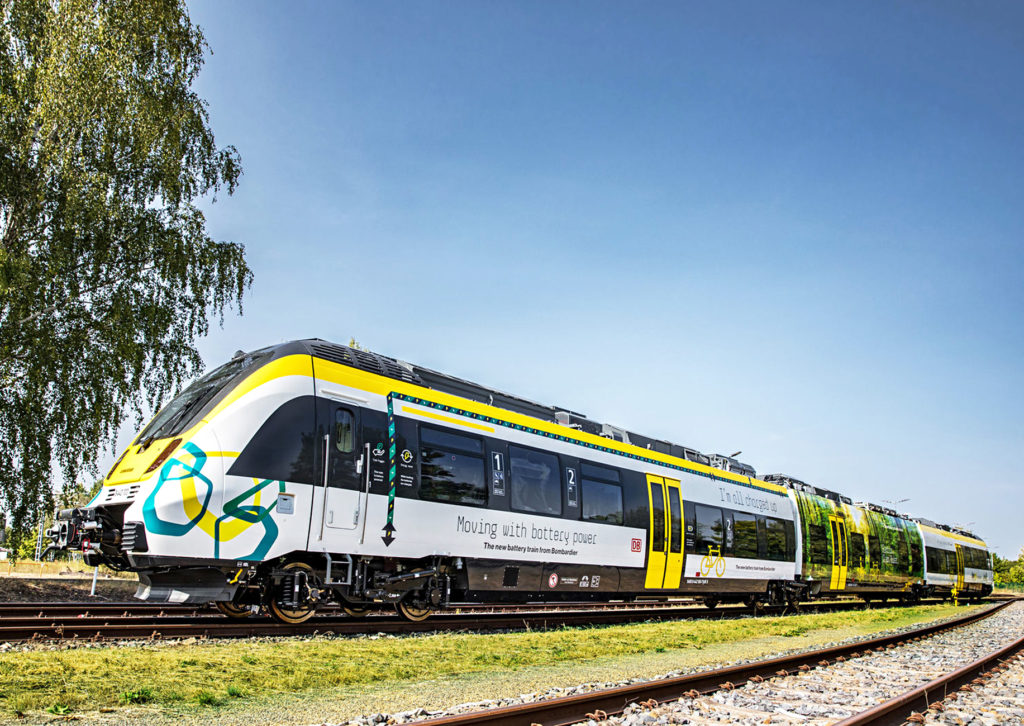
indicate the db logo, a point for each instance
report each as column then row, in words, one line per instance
column 553, row 580
column 637, row 545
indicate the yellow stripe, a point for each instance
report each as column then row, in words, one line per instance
column 290, row 365
column 447, row 419
column 302, row 365
column 373, row 383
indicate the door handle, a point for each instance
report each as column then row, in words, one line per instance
column 323, row 504
column 366, row 493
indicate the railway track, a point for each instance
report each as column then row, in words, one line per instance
column 77, row 609
column 914, row 675
column 70, row 622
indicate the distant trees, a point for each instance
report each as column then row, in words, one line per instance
column 1009, row 572
column 107, row 273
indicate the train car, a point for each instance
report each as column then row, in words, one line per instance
column 310, row 472
column 957, row 564
column 856, row 549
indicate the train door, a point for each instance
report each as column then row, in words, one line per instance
column 840, row 553
column 665, row 534
column 342, row 497
column 959, row 568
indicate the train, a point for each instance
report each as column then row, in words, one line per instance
column 309, row 474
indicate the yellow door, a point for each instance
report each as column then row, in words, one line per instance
column 838, row 531
column 844, row 542
column 959, row 568
column 657, row 534
column 674, row 556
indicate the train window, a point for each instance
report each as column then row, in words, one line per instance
column 439, row 439
column 657, row 518
column 691, row 526
column 874, row 551
column 709, row 527
column 675, row 516
column 979, row 559
column 915, row 557
column 344, row 425
column 817, row 552
column 775, row 536
column 932, row 558
column 901, row 548
column 858, row 549
column 762, row 541
column 535, row 481
column 790, row 540
column 602, row 502
column 745, row 535
column 283, row 447
column 451, row 476
column 591, row 471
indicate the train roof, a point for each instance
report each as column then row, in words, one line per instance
column 400, row 370
column 383, row 365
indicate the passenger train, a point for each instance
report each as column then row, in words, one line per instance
column 309, row 472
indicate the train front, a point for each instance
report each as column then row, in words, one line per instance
column 162, row 510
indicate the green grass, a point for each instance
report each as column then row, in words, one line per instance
column 203, row 676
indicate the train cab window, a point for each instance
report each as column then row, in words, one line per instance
column 744, row 535
column 775, row 536
column 535, row 481
column 344, row 430
column 602, row 502
column 874, row 551
column 709, row 527
column 858, row 550
column 451, row 468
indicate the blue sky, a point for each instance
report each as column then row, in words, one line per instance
column 788, row 229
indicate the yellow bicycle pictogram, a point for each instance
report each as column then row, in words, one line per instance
column 713, row 560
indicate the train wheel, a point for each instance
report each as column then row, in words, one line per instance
column 710, row 603
column 355, row 612
column 412, row 613
column 290, row 616
column 234, row 611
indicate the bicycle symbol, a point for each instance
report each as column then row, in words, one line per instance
column 715, row 562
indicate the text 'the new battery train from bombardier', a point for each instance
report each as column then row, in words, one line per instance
column 310, row 472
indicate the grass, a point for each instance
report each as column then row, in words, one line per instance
column 184, row 678
column 57, row 568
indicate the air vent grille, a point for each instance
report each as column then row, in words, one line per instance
column 133, row 538
column 121, row 494
column 364, row 361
